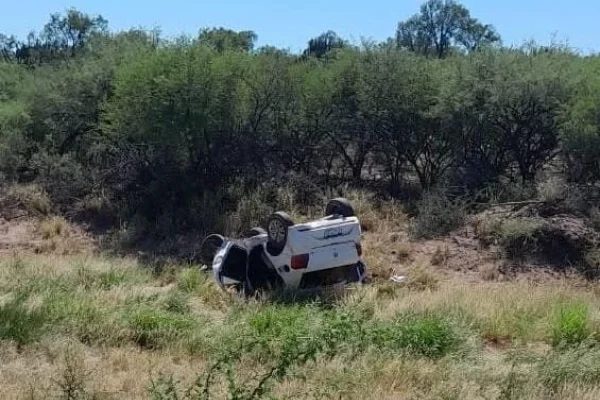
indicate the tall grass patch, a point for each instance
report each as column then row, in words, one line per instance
column 20, row 323
column 570, row 324
column 155, row 328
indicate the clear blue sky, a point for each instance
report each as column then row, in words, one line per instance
column 291, row 25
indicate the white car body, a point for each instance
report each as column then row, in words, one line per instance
column 319, row 253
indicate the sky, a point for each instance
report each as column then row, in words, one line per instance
column 290, row 25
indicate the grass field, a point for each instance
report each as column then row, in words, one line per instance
column 91, row 327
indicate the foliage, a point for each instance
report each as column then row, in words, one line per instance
column 518, row 237
column 437, row 215
column 174, row 135
column 441, row 26
column 571, row 325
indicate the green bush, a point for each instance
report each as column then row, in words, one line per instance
column 570, row 325
column 437, row 215
column 419, row 334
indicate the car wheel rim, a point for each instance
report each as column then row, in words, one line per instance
column 277, row 231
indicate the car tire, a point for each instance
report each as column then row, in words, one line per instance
column 254, row 232
column 210, row 246
column 339, row 206
column 277, row 230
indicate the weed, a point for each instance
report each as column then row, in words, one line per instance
column 72, row 380
column 488, row 230
column 165, row 387
column 53, row 227
column 594, row 217
column 570, row 324
column 252, row 210
column 508, row 191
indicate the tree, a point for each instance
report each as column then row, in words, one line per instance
column 323, row 44
column 441, row 26
column 63, row 37
column 8, row 47
column 72, row 30
column 580, row 125
column 222, row 39
column 350, row 133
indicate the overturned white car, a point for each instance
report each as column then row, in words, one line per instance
column 289, row 256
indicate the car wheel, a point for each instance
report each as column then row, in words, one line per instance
column 277, row 229
column 339, row 206
column 210, row 246
column 254, row 232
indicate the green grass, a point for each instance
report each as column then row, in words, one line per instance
column 570, row 324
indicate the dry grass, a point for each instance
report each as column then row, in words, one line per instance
column 89, row 344
column 88, row 326
column 489, row 272
column 31, row 197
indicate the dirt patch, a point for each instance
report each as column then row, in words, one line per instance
column 543, row 243
column 16, row 236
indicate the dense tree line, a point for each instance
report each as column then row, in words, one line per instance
column 164, row 127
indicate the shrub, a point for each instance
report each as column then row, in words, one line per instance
column 518, row 236
column 72, row 379
column 19, row 323
column 552, row 189
column 31, row 197
column 252, row 210
column 437, row 215
column 52, row 227
column 419, row 334
column 570, row 325
column 507, row 191
column 591, row 263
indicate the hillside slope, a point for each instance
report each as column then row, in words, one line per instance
column 75, row 323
